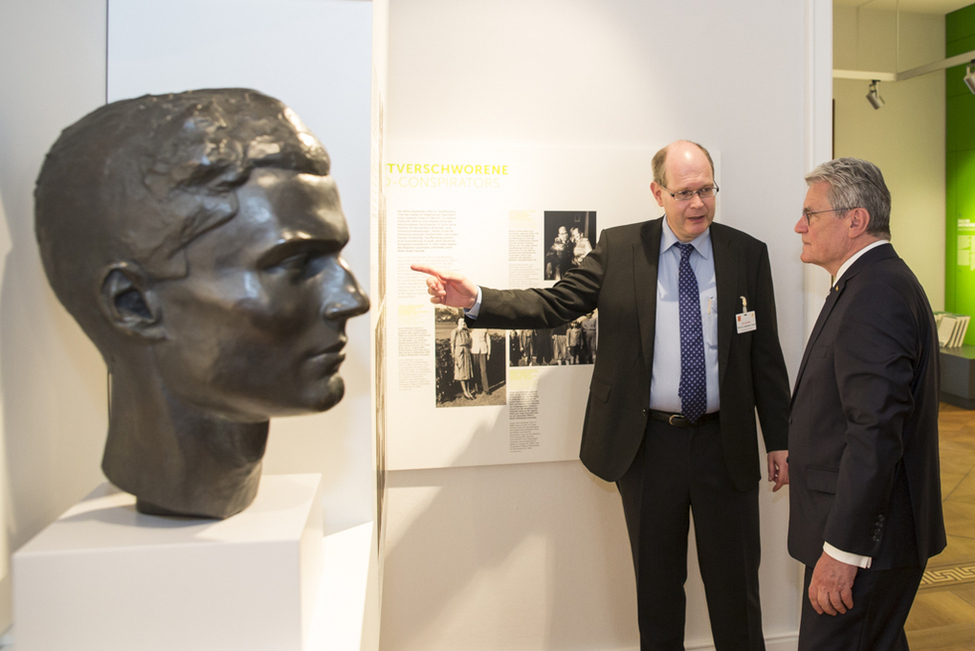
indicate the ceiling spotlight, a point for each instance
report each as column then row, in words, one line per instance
column 970, row 76
column 876, row 101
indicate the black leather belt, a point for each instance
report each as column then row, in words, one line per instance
column 678, row 420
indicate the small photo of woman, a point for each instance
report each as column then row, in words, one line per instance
column 460, row 349
column 470, row 363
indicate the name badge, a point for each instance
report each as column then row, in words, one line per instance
column 746, row 321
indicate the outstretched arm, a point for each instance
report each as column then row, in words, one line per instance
column 448, row 288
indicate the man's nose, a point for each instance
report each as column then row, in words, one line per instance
column 344, row 298
column 800, row 226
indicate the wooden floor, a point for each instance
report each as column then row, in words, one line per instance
column 943, row 616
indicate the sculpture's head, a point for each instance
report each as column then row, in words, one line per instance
column 197, row 238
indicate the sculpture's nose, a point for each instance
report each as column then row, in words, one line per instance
column 344, row 298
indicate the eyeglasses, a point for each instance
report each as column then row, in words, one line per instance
column 687, row 195
column 809, row 213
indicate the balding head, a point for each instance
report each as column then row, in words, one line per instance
column 680, row 148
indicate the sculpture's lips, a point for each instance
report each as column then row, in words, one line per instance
column 329, row 358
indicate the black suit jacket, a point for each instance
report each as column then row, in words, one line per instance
column 863, row 455
column 619, row 277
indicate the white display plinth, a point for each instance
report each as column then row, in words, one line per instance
column 106, row 577
column 347, row 614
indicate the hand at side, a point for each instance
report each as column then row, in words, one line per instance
column 831, row 586
column 778, row 468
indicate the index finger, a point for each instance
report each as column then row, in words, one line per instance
column 424, row 269
column 781, row 477
column 814, row 600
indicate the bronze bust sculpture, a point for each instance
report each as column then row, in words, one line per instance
column 196, row 238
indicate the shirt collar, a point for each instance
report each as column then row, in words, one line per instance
column 701, row 243
column 856, row 256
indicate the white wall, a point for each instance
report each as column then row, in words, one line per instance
column 52, row 380
column 535, row 556
column 905, row 138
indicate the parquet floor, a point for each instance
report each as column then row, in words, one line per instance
column 943, row 616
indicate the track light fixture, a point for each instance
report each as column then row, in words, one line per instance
column 970, row 76
column 873, row 95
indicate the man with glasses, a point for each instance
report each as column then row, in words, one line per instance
column 866, row 495
column 688, row 349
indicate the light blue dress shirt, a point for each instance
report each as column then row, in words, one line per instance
column 665, row 380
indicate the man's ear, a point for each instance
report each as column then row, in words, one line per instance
column 859, row 222
column 129, row 303
column 656, row 190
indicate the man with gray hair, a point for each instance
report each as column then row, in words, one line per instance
column 863, row 437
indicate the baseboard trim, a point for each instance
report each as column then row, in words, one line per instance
column 778, row 642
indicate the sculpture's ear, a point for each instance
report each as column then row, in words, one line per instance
column 129, row 302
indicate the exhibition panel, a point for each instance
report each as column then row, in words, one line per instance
column 509, row 216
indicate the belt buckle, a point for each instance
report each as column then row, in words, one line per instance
column 670, row 420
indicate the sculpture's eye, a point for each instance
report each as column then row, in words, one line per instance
column 303, row 265
column 301, row 259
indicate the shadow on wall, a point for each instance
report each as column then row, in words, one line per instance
column 496, row 554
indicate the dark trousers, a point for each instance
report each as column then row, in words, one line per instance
column 480, row 360
column 881, row 602
column 677, row 471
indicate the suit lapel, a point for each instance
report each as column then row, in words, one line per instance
column 646, row 254
column 726, row 285
column 868, row 258
column 834, row 295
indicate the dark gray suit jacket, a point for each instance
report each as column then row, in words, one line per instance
column 863, row 436
column 619, row 277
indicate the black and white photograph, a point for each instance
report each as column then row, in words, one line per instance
column 569, row 344
column 469, row 363
column 567, row 240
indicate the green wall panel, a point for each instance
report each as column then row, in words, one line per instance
column 951, row 230
column 960, row 122
column 960, row 172
column 959, row 24
column 963, row 225
column 960, row 46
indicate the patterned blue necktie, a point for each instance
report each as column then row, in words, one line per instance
column 693, row 390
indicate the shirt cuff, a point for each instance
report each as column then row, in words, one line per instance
column 476, row 308
column 847, row 557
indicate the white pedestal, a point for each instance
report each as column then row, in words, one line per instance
column 105, row 577
column 347, row 614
